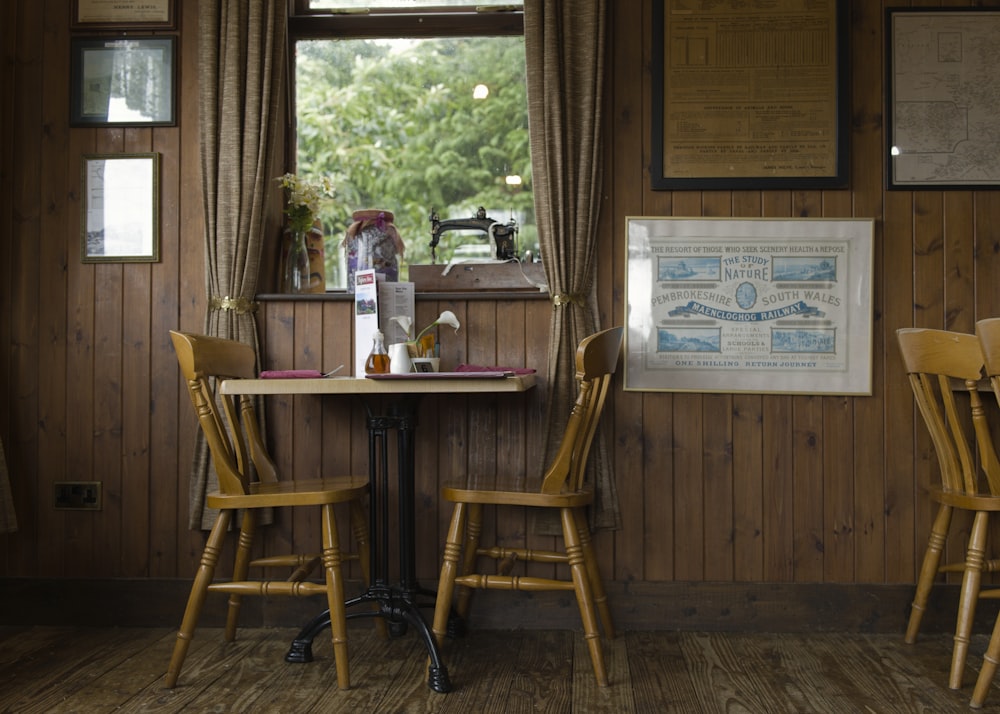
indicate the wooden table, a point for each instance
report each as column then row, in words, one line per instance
column 397, row 603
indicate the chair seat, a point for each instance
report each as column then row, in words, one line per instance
column 313, row 492
column 571, row 499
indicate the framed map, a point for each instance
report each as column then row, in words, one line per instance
column 780, row 306
column 943, row 93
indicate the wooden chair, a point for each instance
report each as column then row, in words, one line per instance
column 937, row 362
column 988, row 332
column 562, row 490
column 203, row 360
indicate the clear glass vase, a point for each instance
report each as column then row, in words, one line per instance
column 296, row 278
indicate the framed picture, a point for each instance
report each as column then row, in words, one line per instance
column 123, row 14
column 779, row 306
column 943, row 95
column 120, row 217
column 122, row 81
column 750, row 95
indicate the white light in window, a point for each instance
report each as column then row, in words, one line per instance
column 513, row 180
column 481, row 91
column 895, row 151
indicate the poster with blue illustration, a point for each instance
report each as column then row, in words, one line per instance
column 749, row 305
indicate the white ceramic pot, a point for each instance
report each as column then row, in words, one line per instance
column 399, row 359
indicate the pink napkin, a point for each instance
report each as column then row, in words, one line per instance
column 291, row 374
column 482, row 368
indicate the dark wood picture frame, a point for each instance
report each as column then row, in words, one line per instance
column 710, row 148
column 942, row 113
column 102, row 93
column 123, row 15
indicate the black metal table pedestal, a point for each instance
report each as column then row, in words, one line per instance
column 398, row 604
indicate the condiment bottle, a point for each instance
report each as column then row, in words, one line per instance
column 378, row 358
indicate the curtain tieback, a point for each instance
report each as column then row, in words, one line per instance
column 239, row 305
column 561, row 299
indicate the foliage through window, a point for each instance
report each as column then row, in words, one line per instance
column 414, row 125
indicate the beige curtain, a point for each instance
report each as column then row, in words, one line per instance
column 241, row 57
column 564, row 43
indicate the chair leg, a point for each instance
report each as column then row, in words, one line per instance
column 335, row 595
column 240, row 569
column 584, row 596
column 990, row 661
column 968, row 597
column 449, row 570
column 473, row 533
column 202, row 579
column 928, row 571
column 594, row 573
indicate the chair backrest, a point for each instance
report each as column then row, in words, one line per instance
column 203, row 361
column 596, row 361
column 988, row 332
column 934, row 360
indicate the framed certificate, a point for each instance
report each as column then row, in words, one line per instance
column 750, row 95
column 123, row 14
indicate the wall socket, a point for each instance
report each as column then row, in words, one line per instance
column 78, row 495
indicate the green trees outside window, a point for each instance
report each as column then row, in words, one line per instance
column 398, row 124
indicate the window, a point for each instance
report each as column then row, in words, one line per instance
column 414, row 110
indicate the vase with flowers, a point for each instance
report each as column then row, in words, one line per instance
column 425, row 344
column 303, row 198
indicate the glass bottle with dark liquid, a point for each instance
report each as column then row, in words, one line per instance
column 378, row 358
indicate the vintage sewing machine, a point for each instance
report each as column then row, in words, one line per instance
column 504, row 235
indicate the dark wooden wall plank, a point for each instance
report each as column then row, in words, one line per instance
column 58, row 218
column 867, row 140
column 166, row 452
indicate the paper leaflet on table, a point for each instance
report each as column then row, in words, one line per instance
column 375, row 302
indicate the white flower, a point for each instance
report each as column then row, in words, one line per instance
column 303, row 199
column 446, row 318
column 405, row 322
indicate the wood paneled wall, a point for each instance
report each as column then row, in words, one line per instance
column 714, row 487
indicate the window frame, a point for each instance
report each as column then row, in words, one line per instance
column 307, row 24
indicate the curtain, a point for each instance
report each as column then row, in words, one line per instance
column 241, row 58
column 564, row 45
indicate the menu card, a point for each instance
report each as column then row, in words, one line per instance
column 376, row 301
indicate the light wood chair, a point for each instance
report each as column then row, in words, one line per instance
column 988, row 332
column 939, row 364
column 204, row 360
column 563, row 491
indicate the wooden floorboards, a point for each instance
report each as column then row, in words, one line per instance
column 74, row 669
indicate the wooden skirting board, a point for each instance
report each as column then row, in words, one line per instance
column 717, row 607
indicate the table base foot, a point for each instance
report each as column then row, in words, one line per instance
column 455, row 627
column 400, row 614
column 438, row 680
column 300, row 650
